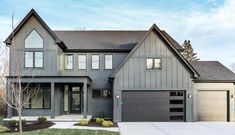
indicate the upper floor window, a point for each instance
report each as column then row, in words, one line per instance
column 95, row 61
column 108, row 61
column 81, row 61
column 34, row 40
column 33, row 59
column 68, row 61
column 153, row 63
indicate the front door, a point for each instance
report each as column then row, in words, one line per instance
column 75, row 102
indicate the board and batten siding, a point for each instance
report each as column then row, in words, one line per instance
column 133, row 75
column 50, row 51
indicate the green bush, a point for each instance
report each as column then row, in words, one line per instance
column 83, row 122
column 99, row 120
column 12, row 123
column 101, row 115
column 23, row 122
column 107, row 123
column 42, row 120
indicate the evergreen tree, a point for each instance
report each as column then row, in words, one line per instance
column 188, row 52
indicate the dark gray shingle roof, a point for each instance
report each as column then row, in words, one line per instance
column 118, row 40
column 212, row 70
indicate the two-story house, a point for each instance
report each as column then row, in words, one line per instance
column 127, row 75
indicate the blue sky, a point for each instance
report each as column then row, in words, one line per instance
column 209, row 24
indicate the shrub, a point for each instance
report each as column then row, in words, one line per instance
column 12, row 123
column 101, row 115
column 99, row 120
column 107, row 123
column 23, row 122
column 83, row 122
column 42, row 120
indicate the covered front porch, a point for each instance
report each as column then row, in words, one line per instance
column 68, row 97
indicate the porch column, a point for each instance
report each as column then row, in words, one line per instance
column 52, row 100
column 8, row 96
column 85, row 99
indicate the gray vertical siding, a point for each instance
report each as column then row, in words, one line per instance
column 133, row 75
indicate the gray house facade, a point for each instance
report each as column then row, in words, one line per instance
column 125, row 75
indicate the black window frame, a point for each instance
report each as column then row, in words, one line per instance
column 65, row 55
column 34, row 51
column 43, row 105
column 105, row 61
column 153, row 66
column 101, row 94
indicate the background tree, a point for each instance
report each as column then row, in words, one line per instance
column 188, row 52
column 18, row 94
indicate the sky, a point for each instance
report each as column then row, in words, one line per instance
column 209, row 24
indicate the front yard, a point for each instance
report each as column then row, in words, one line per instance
column 65, row 132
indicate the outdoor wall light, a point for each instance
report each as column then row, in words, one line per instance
column 189, row 96
column 231, row 95
column 117, row 96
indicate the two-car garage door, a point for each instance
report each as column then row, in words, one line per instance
column 212, row 105
column 153, row 106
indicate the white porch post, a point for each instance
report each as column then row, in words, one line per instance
column 85, row 99
column 9, row 95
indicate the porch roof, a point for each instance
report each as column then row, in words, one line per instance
column 55, row 79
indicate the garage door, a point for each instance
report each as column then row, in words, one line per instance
column 212, row 105
column 153, row 106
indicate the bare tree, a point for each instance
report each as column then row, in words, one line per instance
column 188, row 52
column 18, row 93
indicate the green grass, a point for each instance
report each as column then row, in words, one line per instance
column 65, row 132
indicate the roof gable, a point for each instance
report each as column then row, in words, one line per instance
column 155, row 28
column 31, row 13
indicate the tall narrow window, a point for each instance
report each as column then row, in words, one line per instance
column 108, row 61
column 28, row 62
column 38, row 59
column 95, row 61
column 81, row 61
column 69, row 61
column 34, row 40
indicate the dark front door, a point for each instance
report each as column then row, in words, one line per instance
column 75, row 99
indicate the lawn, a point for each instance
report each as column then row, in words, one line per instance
column 65, row 132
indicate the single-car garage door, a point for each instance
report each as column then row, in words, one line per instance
column 212, row 105
column 153, row 106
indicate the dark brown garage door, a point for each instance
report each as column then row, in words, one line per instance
column 153, row 106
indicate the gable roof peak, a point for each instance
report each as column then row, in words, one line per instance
column 31, row 13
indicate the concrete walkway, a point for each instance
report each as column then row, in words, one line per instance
column 176, row 128
column 70, row 125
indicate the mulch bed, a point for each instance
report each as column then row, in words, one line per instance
column 32, row 126
column 92, row 123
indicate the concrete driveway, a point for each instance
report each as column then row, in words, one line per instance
column 176, row 128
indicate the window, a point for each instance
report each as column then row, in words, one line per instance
column 95, row 61
column 108, row 61
column 176, row 109
column 68, row 61
column 101, row 93
column 28, row 59
column 42, row 100
column 176, row 94
column 106, row 94
column 153, row 63
column 34, row 40
column 176, row 101
column 33, row 59
column 96, row 94
column 81, row 61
